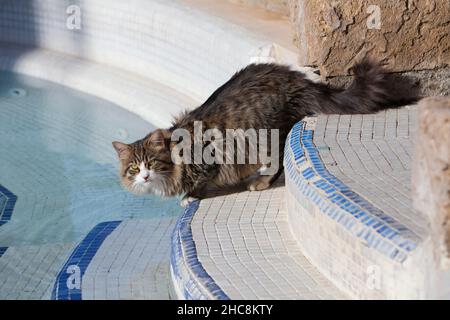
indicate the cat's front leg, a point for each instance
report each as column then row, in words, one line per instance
column 262, row 182
column 267, row 175
column 192, row 196
column 200, row 190
column 187, row 199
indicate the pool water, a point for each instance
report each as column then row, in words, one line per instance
column 56, row 158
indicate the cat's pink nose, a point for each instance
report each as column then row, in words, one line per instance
column 146, row 178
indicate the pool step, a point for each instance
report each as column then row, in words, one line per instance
column 239, row 246
column 150, row 99
column 182, row 51
column 350, row 209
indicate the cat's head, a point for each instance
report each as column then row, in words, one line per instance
column 146, row 165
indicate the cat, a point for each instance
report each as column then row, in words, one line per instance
column 260, row 96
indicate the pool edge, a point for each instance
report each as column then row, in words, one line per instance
column 189, row 278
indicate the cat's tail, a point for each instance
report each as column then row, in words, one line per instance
column 369, row 92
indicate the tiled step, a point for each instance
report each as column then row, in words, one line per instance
column 150, row 99
column 350, row 209
column 239, row 246
column 191, row 46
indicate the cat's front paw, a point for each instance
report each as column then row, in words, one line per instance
column 258, row 185
column 186, row 201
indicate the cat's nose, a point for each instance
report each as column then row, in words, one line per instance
column 146, row 177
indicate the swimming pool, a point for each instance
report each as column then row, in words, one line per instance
column 58, row 180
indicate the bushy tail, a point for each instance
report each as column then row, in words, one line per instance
column 369, row 92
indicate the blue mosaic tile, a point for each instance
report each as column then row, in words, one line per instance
column 3, row 250
column 378, row 229
column 184, row 261
column 76, row 265
column 7, row 202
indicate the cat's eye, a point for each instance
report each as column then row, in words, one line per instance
column 151, row 163
column 134, row 168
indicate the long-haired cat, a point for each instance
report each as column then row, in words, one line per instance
column 261, row 96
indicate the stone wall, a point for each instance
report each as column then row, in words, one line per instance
column 405, row 34
column 431, row 172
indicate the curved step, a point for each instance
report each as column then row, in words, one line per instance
column 177, row 43
column 328, row 233
column 239, row 246
column 153, row 101
column 349, row 205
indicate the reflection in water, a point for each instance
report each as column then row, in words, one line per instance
column 56, row 156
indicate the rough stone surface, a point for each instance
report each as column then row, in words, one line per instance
column 431, row 171
column 279, row 6
column 334, row 34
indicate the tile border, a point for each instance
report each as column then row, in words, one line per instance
column 79, row 260
column 306, row 172
column 7, row 210
column 2, row 251
column 190, row 279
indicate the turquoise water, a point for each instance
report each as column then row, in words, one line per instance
column 56, row 157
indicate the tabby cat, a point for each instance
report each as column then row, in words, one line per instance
column 261, row 96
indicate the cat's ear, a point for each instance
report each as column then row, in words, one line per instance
column 123, row 150
column 158, row 139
